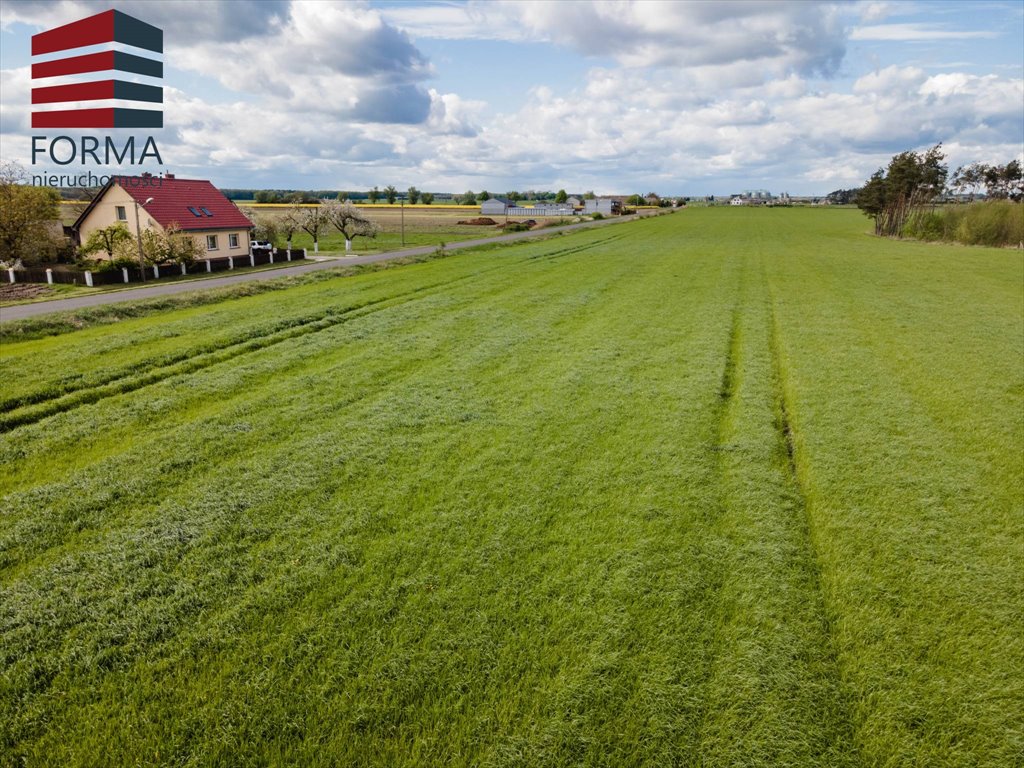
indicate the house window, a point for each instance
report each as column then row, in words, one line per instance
column 232, row 241
column 122, row 214
column 211, row 242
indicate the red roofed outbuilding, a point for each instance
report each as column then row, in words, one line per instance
column 193, row 205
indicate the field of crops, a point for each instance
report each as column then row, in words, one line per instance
column 727, row 487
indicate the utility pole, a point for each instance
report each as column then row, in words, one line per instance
column 138, row 236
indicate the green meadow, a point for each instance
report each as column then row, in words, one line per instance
column 719, row 488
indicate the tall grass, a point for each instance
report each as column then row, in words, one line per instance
column 997, row 223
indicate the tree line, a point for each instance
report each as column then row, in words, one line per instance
column 901, row 197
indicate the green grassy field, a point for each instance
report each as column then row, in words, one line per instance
column 721, row 488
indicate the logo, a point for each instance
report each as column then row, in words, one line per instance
column 108, row 30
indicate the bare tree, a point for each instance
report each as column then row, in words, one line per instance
column 349, row 220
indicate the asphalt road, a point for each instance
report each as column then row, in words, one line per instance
column 21, row 311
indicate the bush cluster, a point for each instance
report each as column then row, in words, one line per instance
column 997, row 223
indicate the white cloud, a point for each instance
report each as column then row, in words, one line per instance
column 916, row 32
column 777, row 36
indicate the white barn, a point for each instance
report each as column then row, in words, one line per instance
column 600, row 205
column 496, row 206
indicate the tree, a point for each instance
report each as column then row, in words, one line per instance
column 178, row 246
column 912, row 180
column 349, row 220
column 589, row 195
column 427, row 198
column 561, row 196
column 513, row 196
column 413, row 194
column 635, row 200
column 105, row 240
column 314, row 220
column 469, row 198
column 839, row 196
column 291, row 222
column 373, row 195
column 266, row 229
column 342, row 197
column 159, row 246
column 391, row 194
column 1004, row 181
column 484, row 195
column 27, row 216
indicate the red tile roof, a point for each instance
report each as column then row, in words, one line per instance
column 172, row 198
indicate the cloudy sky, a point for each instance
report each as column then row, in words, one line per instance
column 616, row 97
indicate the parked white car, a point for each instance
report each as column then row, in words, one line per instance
column 259, row 245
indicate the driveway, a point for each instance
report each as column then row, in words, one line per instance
column 22, row 311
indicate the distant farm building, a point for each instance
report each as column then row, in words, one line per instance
column 496, row 206
column 603, row 205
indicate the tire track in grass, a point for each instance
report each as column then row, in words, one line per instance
column 498, row 351
column 157, row 473
column 32, row 408
column 774, row 695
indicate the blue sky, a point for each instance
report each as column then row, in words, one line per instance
column 681, row 98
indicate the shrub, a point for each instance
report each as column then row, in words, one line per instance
column 997, row 223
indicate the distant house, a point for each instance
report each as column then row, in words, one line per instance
column 575, row 202
column 603, row 205
column 195, row 206
column 739, row 201
column 496, row 206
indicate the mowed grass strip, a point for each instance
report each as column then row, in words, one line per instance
column 575, row 504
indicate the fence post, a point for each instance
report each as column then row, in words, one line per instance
column 183, row 268
column 288, row 254
column 303, row 253
column 88, row 278
column 231, row 262
column 156, row 271
column 252, row 259
column 271, row 255
column 124, row 273
column 49, row 277
column 10, row 274
column 208, row 267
